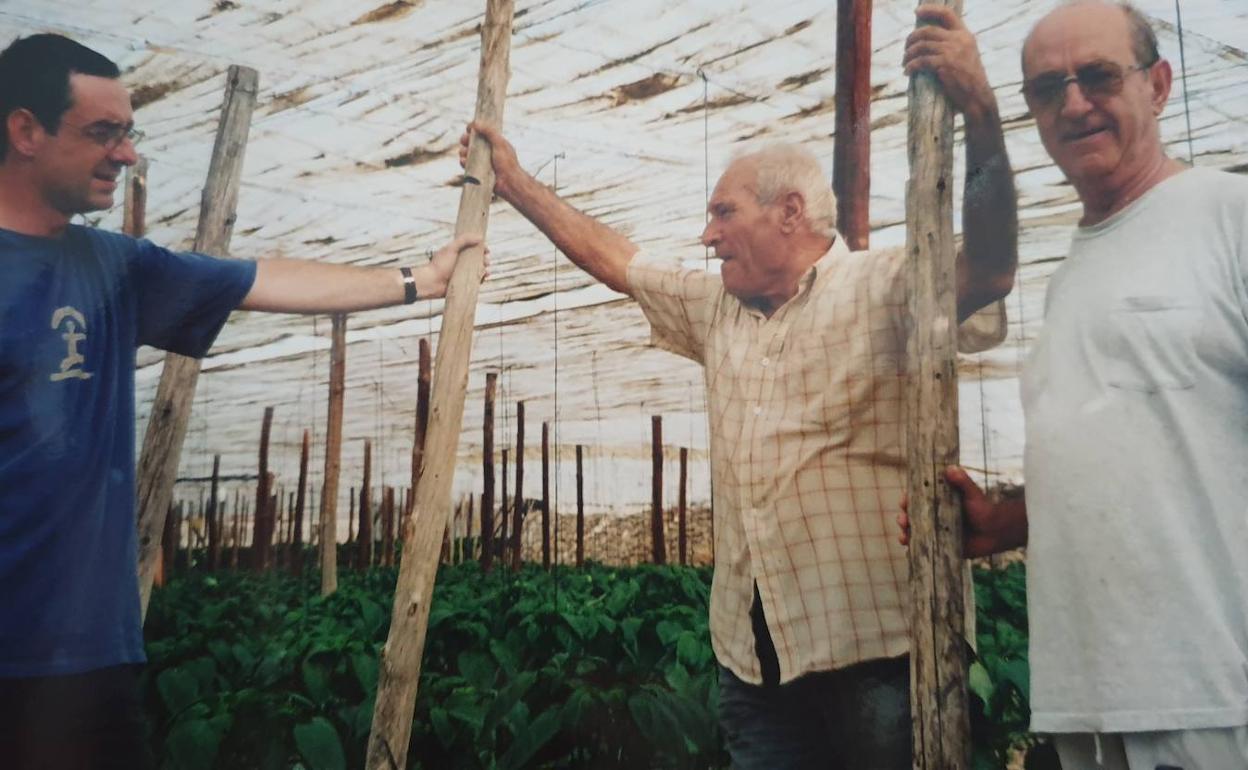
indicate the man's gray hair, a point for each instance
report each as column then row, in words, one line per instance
column 784, row 168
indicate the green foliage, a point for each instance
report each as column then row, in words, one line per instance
column 598, row 667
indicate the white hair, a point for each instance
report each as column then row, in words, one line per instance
column 784, row 168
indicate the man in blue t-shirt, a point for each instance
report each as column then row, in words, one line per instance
column 75, row 303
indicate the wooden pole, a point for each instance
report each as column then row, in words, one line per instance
column 235, row 533
column 364, row 533
column 333, row 455
column 401, row 656
column 851, row 149
column 937, row 663
column 166, row 429
column 300, row 499
column 487, row 475
column 169, row 544
column 352, row 543
column 681, row 532
column 466, row 552
column 580, row 508
column 658, row 552
column 423, row 376
column 517, row 518
column 213, row 519
column 546, row 495
column 134, row 208
column 259, row 536
column 504, row 513
column 387, row 528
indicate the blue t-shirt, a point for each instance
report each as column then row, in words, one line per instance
column 73, row 310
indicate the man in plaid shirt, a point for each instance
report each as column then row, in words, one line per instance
column 803, row 346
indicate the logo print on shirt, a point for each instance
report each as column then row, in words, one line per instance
column 72, row 321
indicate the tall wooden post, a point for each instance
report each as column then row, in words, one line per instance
column 851, row 149
column 171, row 410
column 681, row 531
column 333, row 455
column 938, row 665
column 300, row 500
column 504, row 513
column 658, row 547
column 364, row 546
column 517, row 518
column 487, row 474
column 545, row 495
column 466, row 552
column 580, row 507
column 235, row 532
column 214, row 518
column 134, row 207
column 387, row 528
column 259, row 536
column 423, row 376
column 401, row 657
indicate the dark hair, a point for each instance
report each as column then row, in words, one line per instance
column 1143, row 38
column 34, row 75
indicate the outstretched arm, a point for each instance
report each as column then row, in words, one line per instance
column 591, row 245
column 989, row 256
column 302, row 286
column 987, row 527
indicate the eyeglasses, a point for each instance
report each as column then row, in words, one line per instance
column 109, row 135
column 1097, row 80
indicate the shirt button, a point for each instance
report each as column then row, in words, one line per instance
column 758, row 410
column 766, row 362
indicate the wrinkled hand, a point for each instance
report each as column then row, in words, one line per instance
column 945, row 47
column 442, row 264
column 502, row 156
column 979, row 536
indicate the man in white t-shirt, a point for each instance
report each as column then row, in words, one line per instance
column 1136, row 404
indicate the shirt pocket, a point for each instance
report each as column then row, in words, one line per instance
column 1152, row 344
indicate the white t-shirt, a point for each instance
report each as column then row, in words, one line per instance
column 1136, row 403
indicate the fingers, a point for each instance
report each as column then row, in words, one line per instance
column 465, row 241
column 941, row 15
column 903, row 524
column 959, row 479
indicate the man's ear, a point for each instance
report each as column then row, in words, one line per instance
column 793, row 211
column 1160, row 77
column 25, row 132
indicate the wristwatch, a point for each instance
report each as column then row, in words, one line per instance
column 409, row 286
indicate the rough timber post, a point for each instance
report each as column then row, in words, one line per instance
column 260, row 535
column 134, row 207
column 658, row 547
column 215, row 517
column 401, row 657
column 546, row 495
column 503, row 514
column 487, row 475
column 938, row 665
column 851, row 149
column 300, row 500
column 171, row 409
column 387, row 528
column 333, row 455
column 423, row 376
column 580, row 507
column 364, row 532
column 517, row 517
column 682, row 534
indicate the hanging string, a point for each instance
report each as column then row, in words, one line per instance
column 1187, row 112
column 555, row 319
column 706, row 162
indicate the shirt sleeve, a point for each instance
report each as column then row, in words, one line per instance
column 678, row 303
column 184, row 298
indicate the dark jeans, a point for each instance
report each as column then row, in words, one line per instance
column 91, row 721
column 857, row 718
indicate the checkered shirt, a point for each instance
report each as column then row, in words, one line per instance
column 807, row 455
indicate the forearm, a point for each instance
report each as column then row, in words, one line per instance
column 1010, row 525
column 303, row 286
column 989, row 214
column 592, row 246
